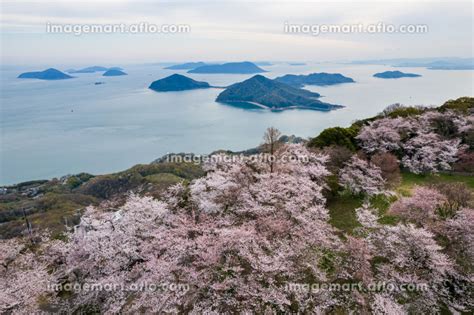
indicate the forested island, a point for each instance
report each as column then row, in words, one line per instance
column 48, row 74
column 270, row 94
column 321, row 79
column 177, row 82
column 186, row 66
column 229, row 68
column 113, row 73
column 395, row 75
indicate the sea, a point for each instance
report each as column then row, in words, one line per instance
column 54, row 128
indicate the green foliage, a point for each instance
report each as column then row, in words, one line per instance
column 184, row 170
column 332, row 186
column 106, row 186
column 468, row 139
column 382, row 203
column 409, row 180
column 405, row 112
column 327, row 261
column 73, row 182
column 444, row 126
column 335, row 136
column 342, row 212
column 56, row 202
column 464, row 105
column 51, row 211
column 77, row 180
column 160, row 182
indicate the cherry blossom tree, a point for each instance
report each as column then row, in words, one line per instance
column 386, row 134
column 459, row 231
column 427, row 143
column 421, row 207
column 27, row 272
column 361, row 177
column 234, row 237
column 428, row 153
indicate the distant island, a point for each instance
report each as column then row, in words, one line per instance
column 231, row 67
column 447, row 65
column 270, row 94
column 187, row 66
column 395, row 75
column 48, row 74
column 93, row 69
column 177, row 82
column 113, row 73
column 451, row 63
column 263, row 63
column 314, row 79
column 297, row 64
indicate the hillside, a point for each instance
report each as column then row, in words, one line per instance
column 387, row 200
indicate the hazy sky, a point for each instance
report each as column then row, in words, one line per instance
column 230, row 30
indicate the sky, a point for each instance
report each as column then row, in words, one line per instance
column 231, row 31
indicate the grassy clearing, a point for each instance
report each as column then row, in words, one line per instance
column 342, row 212
column 409, row 180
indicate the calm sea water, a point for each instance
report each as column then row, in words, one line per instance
column 53, row 128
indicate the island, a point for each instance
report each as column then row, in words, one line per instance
column 297, row 64
column 263, row 63
column 113, row 73
column 93, row 69
column 451, row 63
column 48, row 74
column 270, row 94
column 321, row 79
column 245, row 67
column 187, row 66
column 395, row 75
column 177, row 82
